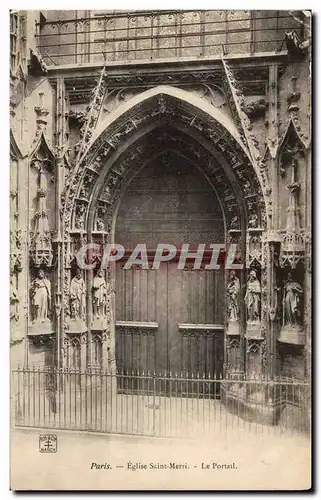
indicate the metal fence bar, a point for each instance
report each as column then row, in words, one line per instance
column 159, row 404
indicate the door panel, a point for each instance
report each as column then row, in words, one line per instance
column 169, row 202
column 168, row 297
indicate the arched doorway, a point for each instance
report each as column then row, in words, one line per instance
column 170, row 320
column 165, row 119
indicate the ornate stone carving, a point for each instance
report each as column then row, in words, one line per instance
column 291, row 149
column 252, row 301
column 77, row 303
column 93, row 112
column 132, row 159
column 80, row 213
column 77, row 117
column 254, row 250
column 100, row 217
column 235, row 223
column 237, row 102
column 40, row 246
column 255, row 109
column 41, row 119
column 164, row 107
column 293, row 245
column 292, row 321
column 292, row 248
column 77, row 296
column 233, row 299
column 14, row 302
column 41, row 297
column 87, row 185
column 40, row 293
column 292, row 100
column 297, row 49
column 15, row 251
column 99, row 301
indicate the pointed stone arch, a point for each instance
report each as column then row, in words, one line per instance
column 292, row 132
column 15, row 150
column 151, row 109
column 122, row 145
column 41, row 145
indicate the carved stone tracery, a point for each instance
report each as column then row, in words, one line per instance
column 40, row 246
column 293, row 238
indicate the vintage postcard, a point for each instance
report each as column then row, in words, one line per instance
column 160, row 229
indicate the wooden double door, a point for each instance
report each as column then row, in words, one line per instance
column 169, row 320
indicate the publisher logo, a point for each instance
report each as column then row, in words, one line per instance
column 48, row 443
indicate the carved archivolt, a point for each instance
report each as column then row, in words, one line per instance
column 216, row 173
column 161, row 108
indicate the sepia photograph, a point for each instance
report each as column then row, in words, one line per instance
column 160, row 250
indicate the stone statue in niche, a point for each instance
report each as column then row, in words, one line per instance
column 292, row 328
column 293, row 293
column 40, row 297
column 99, row 290
column 78, row 296
column 99, row 300
column 253, row 305
column 77, row 300
column 40, row 292
column 14, row 301
column 233, row 297
column 253, row 298
column 253, row 221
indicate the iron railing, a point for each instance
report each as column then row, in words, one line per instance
column 130, row 36
column 154, row 404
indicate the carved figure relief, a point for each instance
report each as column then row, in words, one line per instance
column 40, row 292
column 233, row 298
column 80, row 215
column 100, row 221
column 99, row 301
column 78, row 296
column 14, row 301
column 253, row 220
column 41, row 297
column 253, row 305
column 99, row 291
column 293, row 294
